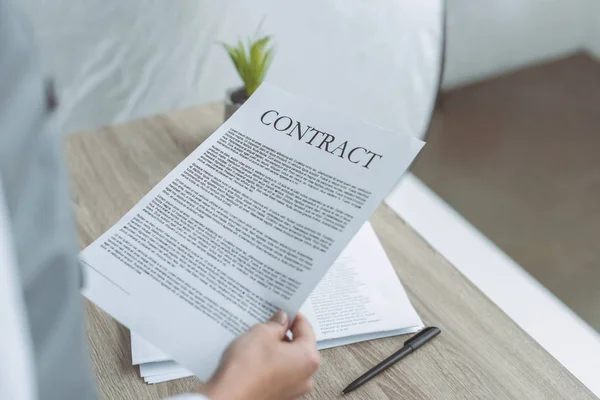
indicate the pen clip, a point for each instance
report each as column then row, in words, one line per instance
column 422, row 337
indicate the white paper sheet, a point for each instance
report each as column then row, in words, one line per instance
column 152, row 369
column 167, row 377
column 373, row 294
column 247, row 224
column 360, row 295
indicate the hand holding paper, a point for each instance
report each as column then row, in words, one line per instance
column 246, row 225
column 280, row 368
column 360, row 298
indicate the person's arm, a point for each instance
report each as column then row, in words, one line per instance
column 16, row 363
column 263, row 364
column 45, row 278
column 45, row 312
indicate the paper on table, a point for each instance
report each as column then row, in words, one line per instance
column 161, row 368
column 360, row 298
column 167, row 377
column 362, row 281
column 245, row 225
column 360, row 295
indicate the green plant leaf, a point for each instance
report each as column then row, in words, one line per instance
column 233, row 55
column 257, row 49
column 266, row 63
column 251, row 62
column 242, row 54
column 256, row 61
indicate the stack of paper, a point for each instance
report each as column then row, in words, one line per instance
column 360, row 298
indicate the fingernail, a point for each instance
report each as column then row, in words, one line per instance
column 280, row 317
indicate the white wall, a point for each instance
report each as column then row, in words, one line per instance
column 490, row 37
column 117, row 60
column 593, row 33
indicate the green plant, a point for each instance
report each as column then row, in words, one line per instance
column 251, row 61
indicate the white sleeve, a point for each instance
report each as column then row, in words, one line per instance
column 188, row 396
column 17, row 373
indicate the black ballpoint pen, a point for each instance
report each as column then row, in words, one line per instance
column 412, row 344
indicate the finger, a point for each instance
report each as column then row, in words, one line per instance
column 302, row 331
column 279, row 323
column 306, row 344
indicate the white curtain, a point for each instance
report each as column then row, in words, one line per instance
column 115, row 60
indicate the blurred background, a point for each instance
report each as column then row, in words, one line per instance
column 508, row 185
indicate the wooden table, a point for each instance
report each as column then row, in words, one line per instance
column 481, row 354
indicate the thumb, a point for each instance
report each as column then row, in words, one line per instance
column 280, row 322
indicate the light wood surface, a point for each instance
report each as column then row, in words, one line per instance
column 481, row 353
